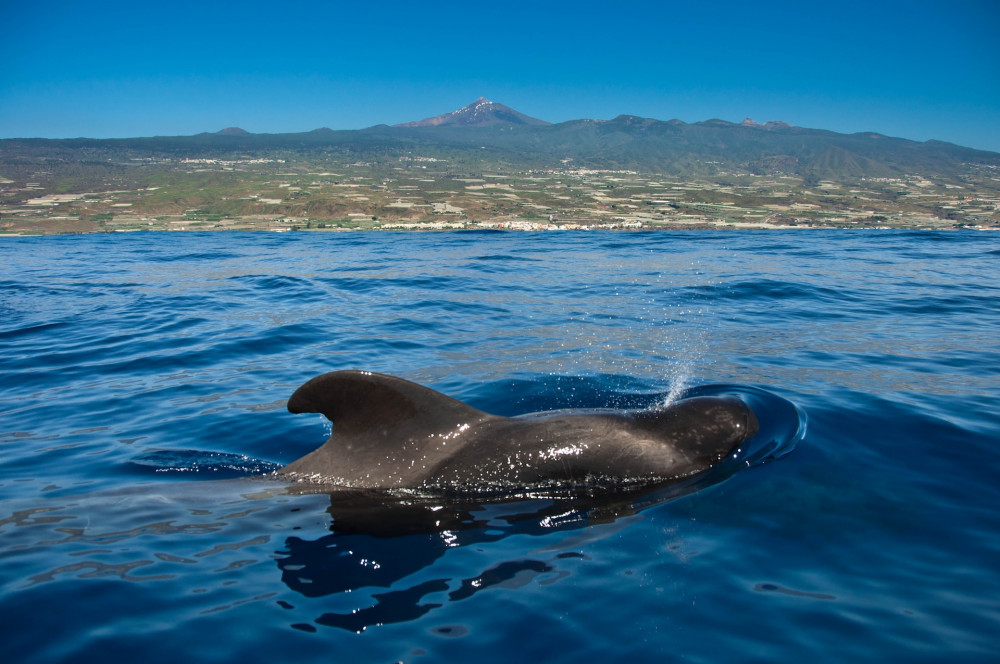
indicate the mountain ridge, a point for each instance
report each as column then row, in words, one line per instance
column 482, row 132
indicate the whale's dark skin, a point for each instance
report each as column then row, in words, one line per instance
column 389, row 433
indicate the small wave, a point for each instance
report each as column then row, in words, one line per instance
column 770, row 289
column 505, row 257
column 217, row 464
column 195, row 256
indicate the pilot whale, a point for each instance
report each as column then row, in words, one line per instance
column 389, row 433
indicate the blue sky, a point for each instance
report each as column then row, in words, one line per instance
column 914, row 69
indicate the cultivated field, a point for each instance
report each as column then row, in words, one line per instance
column 415, row 192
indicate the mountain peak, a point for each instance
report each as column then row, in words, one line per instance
column 480, row 113
column 233, row 131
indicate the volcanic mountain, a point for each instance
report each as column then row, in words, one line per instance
column 480, row 113
column 491, row 135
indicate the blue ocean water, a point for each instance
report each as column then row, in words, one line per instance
column 144, row 380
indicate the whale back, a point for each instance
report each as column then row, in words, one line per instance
column 600, row 449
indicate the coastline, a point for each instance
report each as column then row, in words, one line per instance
column 422, row 196
column 692, row 228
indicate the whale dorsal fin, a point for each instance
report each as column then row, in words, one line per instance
column 359, row 401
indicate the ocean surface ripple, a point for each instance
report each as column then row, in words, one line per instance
column 145, row 378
